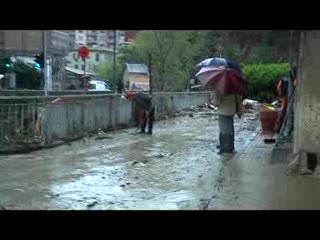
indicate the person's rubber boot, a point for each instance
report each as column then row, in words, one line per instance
column 151, row 120
column 142, row 132
column 229, row 143
column 232, row 142
column 222, row 143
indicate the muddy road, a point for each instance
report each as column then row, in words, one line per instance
column 175, row 169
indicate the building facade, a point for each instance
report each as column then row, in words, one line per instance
column 136, row 77
column 57, row 47
column 100, row 44
column 95, row 38
column 24, row 44
column 97, row 56
column 21, row 42
column 128, row 37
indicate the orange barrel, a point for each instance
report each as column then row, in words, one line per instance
column 268, row 118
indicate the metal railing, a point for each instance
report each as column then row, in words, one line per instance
column 20, row 123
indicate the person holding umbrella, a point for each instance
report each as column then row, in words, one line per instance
column 228, row 105
column 225, row 79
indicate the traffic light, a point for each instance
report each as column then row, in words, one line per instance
column 39, row 61
column 37, row 66
column 5, row 65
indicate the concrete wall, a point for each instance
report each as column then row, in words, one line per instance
column 50, row 93
column 307, row 129
column 63, row 120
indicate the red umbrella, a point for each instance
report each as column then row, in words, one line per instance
column 222, row 79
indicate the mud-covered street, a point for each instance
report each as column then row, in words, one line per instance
column 175, row 169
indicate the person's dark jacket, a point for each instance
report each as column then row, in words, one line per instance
column 144, row 100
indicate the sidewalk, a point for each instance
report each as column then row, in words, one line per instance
column 258, row 180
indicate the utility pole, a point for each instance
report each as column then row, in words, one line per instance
column 45, row 67
column 150, row 72
column 115, row 61
column 84, row 74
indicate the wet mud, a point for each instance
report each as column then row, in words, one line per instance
column 176, row 168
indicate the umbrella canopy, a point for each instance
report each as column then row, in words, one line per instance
column 222, row 79
column 218, row 62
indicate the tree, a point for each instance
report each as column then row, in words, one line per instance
column 105, row 71
column 244, row 47
column 174, row 54
column 210, row 44
column 129, row 54
column 172, row 57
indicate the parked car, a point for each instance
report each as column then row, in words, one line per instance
column 97, row 85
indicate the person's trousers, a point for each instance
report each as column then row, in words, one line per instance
column 226, row 133
column 282, row 114
column 148, row 117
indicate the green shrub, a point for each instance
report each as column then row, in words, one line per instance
column 263, row 79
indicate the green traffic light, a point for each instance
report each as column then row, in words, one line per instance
column 37, row 66
column 8, row 65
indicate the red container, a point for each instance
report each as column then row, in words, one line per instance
column 268, row 118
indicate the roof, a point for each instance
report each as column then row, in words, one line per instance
column 137, row 68
column 27, row 60
column 129, row 35
column 78, row 71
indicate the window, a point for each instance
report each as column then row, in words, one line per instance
column 75, row 57
column 93, row 86
column 97, row 57
column 76, row 66
column 82, row 67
